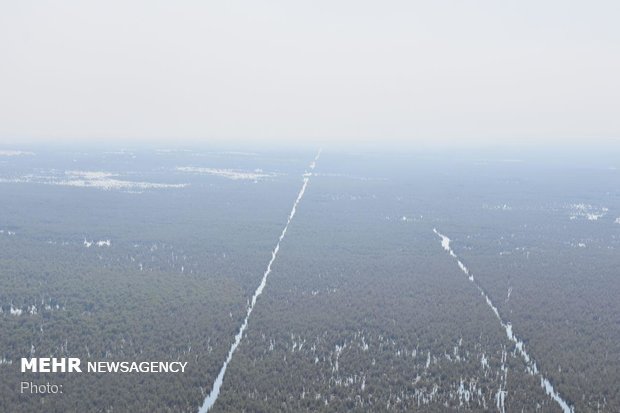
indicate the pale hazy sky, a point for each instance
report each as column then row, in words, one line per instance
column 315, row 70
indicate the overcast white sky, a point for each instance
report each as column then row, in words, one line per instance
column 318, row 70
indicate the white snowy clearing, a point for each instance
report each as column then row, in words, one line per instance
column 15, row 153
column 90, row 179
column 234, row 174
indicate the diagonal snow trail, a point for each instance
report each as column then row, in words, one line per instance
column 531, row 364
column 217, row 385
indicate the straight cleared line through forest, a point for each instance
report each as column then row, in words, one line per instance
column 212, row 397
column 532, row 369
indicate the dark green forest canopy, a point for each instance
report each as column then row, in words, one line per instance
column 154, row 255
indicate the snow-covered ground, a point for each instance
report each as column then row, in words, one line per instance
column 234, row 174
column 90, row 179
column 5, row 152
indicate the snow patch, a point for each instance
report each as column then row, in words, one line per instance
column 15, row 311
column 484, row 361
column 501, row 207
column 101, row 243
column 15, row 153
column 90, row 179
column 545, row 384
column 586, row 211
column 234, row 174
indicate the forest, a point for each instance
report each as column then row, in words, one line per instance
column 156, row 254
